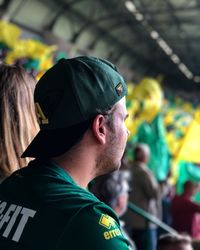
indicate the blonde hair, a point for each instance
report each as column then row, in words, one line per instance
column 18, row 124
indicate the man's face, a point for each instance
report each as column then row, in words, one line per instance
column 116, row 139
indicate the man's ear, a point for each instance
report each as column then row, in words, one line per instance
column 99, row 128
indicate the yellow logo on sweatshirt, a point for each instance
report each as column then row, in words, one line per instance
column 42, row 119
column 106, row 221
column 109, row 223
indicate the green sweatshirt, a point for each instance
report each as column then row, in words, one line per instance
column 41, row 207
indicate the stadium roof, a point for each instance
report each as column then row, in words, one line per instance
column 149, row 38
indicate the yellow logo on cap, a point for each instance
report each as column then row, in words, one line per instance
column 106, row 221
column 40, row 115
column 119, row 88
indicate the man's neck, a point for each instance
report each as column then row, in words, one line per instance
column 79, row 168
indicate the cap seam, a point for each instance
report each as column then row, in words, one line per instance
column 75, row 94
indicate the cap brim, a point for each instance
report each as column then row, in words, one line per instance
column 52, row 143
column 45, row 144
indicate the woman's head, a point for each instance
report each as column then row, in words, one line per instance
column 18, row 124
column 174, row 242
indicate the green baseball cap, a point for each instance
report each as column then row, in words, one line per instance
column 69, row 94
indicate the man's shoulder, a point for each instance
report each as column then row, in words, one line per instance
column 45, row 187
column 141, row 168
column 97, row 226
column 184, row 203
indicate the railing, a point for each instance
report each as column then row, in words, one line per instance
column 151, row 218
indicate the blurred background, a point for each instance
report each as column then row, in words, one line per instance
column 154, row 44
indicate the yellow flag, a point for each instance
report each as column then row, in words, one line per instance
column 190, row 148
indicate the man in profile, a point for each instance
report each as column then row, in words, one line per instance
column 80, row 104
